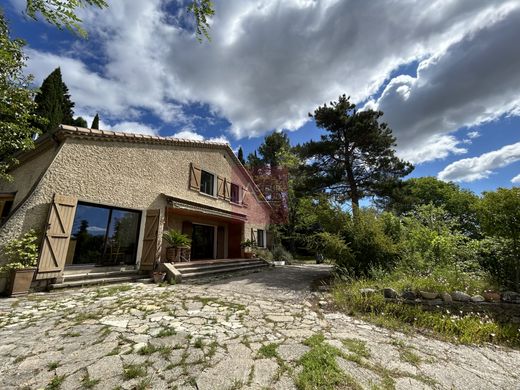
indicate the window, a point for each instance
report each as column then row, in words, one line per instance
column 235, row 193
column 103, row 235
column 207, row 182
column 260, row 238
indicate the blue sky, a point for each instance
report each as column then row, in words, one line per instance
column 446, row 74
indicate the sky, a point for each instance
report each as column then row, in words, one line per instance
column 445, row 73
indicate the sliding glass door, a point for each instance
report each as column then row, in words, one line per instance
column 104, row 235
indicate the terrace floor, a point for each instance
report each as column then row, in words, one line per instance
column 243, row 331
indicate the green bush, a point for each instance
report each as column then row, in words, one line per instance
column 263, row 253
column 333, row 247
column 281, row 254
column 497, row 257
column 21, row 252
column 372, row 239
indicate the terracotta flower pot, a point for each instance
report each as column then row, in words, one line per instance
column 158, row 277
column 20, row 281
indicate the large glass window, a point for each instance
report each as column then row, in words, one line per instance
column 235, row 193
column 206, row 182
column 103, row 235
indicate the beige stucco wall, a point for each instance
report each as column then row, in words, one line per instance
column 127, row 175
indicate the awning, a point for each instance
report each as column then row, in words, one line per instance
column 199, row 208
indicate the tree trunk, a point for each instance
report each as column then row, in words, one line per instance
column 354, row 193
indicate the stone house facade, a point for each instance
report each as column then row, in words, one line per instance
column 103, row 197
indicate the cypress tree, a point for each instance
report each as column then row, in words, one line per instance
column 241, row 156
column 80, row 122
column 53, row 102
column 95, row 122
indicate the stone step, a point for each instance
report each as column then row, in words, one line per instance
column 88, row 269
column 93, row 282
column 97, row 275
column 207, row 272
column 212, row 262
column 196, row 267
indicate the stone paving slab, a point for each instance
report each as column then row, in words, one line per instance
column 210, row 335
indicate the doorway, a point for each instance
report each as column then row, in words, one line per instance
column 202, row 242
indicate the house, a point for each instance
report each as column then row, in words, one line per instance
column 104, row 198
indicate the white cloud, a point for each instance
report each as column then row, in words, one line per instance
column 473, row 82
column 270, row 62
column 516, row 179
column 437, row 147
column 481, row 167
column 129, row 127
column 188, row 134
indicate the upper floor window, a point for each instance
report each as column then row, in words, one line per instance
column 235, row 193
column 207, row 183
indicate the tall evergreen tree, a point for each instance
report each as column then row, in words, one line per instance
column 53, row 102
column 95, row 122
column 355, row 158
column 240, row 156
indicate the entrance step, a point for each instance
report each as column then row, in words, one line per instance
column 89, row 276
column 196, row 269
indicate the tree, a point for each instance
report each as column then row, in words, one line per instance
column 459, row 203
column 80, row 122
column 356, row 158
column 240, row 156
column 17, row 118
column 499, row 214
column 63, row 13
column 271, row 172
column 95, row 122
column 53, row 102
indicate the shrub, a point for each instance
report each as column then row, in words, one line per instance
column 21, row 252
column 280, row 254
column 333, row 247
column 263, row 253
column 369, row 242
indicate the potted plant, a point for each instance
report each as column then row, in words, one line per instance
column 22, row 255
column 281, row 256
column 248, row 246
column 176, row 241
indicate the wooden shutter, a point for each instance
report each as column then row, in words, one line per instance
column 227, row 189
column 221, row 236
column 221, row 187
column 194, row 177
column 57, row 237
column 253, row 236
column 245, row 196
column 150, row 251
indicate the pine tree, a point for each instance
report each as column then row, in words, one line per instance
column 53, row 102
column 95, row 122
column 356, row 156
column 241, row 156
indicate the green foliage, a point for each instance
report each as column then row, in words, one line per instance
column 369, row 242
column 17, row 107
column 53, row 102
column 62, row 13
column 240, row 155
column 248, row 244
column 202, row 10
column 356, row 158
column 333, row 247
column 79, row 122
column 497, row 256
column 95, row 122
column 262, row 253
column 281, row 254
column 459, row 203
column 499, row 213
column 467, row 329
column 21, row 252
column 176, row 239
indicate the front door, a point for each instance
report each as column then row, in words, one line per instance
column 202, row 242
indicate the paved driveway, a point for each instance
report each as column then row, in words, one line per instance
column 245, row 331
